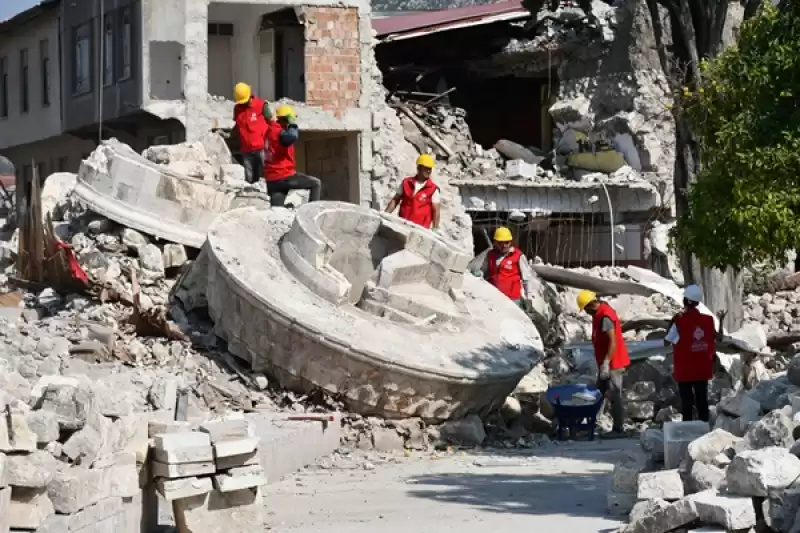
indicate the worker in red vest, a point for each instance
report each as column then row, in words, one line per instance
column 418, row 196
column 506, row 267
column 692, row 335
column 281, row 170
column 250, row 115
column 611, row 355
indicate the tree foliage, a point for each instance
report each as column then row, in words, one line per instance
column 744, row 207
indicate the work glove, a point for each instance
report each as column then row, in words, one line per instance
column 605, row 370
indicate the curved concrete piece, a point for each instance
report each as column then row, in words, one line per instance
column 125, row 187
column 333, row 299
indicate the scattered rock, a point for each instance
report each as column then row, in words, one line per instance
column 467, row 432
column 757, row 472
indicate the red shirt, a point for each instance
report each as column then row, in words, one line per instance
column 251, row 124
column 417, row 207
column 693, row 354
column 601, row 342
column 279, row 163
column 506, row 276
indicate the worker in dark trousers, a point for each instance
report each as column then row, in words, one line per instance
column 250, row 116
column 692, row 336
column 611, row 355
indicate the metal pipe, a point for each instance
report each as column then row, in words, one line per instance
column 610, row 223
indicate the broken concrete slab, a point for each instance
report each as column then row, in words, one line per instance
column 757, row 472
column 246, row 309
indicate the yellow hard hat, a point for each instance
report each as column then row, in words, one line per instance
column 284, row 111
column 242, row 93
column 426, row 161
column 585, row 298
column 502, row 234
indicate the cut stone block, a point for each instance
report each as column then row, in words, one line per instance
column 711, row 444
column 73, row 489
column 5, row 509
column 703, row 477
column 83, row 446
column 29, row 508
column 757, row 472
column 243, row 477
column 46, row 381
column 730, row 512
column 243, row 510
column 677, row 436
column 157, row 427
column 740, row 405
column 198, row 454
column 186, row 439
column 230, row 448
column 517, row 169
column 247, row 459
column 652, row 442
column 120, row 475
column 644, row 508
column 44, row 424
column 224, row 430
column 173, row 471
column 20, row 437
column 34, row 470
column 70, row 404
column 176, row 489
column 665, row 485
column 775, row 429
column 671, row 517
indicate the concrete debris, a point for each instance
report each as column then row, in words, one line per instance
column 663, row 485
column 761, row 472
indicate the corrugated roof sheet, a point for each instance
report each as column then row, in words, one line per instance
column 445, row 17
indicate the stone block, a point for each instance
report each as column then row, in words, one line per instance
column 247, row 459
column 671, row 517
column 198, row 454
column 780, row 510
column 757, row 472
column 620, row 503
column 29, row 508
column 229, row 448
column 652, row 442
column 45, row 381
column 70, row 404
column 173, row 471
column 775, row 429
column 677, row 436
column 225, row 430
column 640, row 411
column 2, row 471
column 156, row 427
column 730, row 512
column 711, row 444
column 75, row 488
column 176, row 489
column 34, row 470
column 44, row 424
column 641, row 391
column 18, row 437
column 186, row 439
column 120, row 475
column 664, row 485
column 174, row 255
column 421, row 243
column 644, row 508
column 163, row 395
column 243, row 477
column 518, row 169
column 704, row 476
column 5, row 509
column 401, row 268
column 449, row 258
column 83, row 446
column 243, row 510
column 129, row 434
column 625, row 476
column 95, row 514
column 739, row 404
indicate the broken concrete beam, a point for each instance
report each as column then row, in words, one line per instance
column 75, row 488
column 179, row 470
column 664, row 485
column 243, row 510
column 707, row 447
column 176, row 489
column 677, row 437
column 243, row 477
column 29, row 508
column 671, row 517
column 34, row 470
column 730, row 512
column 758, row 472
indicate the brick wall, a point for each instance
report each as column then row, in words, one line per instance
column 333, row 58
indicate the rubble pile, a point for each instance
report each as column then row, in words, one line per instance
column 778, row 312
column 735, row 474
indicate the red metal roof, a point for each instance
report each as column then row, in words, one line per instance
column 444, row 17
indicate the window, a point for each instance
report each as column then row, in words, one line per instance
column 81, row 60
column 63, row 162
column 40, row 168
column 125, row 43
column 3, row 87
column 108, row 51
column 44, row 56
column 24, row 97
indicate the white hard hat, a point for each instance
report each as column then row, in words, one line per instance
column 693, row 293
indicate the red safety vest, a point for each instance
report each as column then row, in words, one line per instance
column 279, row 163
column 600, row 341
column 251, row 124
column 506, row 276
column 418, row 208
column 693, row 354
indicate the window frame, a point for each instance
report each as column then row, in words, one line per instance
column 109, row 58
column 4, row 105
column 77, row 37
column 125, row 38
column 24, row 81
column 44, row 59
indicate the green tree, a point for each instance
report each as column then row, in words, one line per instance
column 743, row 110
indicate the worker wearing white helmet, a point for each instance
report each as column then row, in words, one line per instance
column 692, row 336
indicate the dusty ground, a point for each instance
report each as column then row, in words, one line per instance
column 553, row 486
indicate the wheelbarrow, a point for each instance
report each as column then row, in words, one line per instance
column 574, row 417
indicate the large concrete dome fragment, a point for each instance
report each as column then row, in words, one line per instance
column 373, row 309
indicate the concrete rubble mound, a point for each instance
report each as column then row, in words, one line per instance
column 366, row 306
